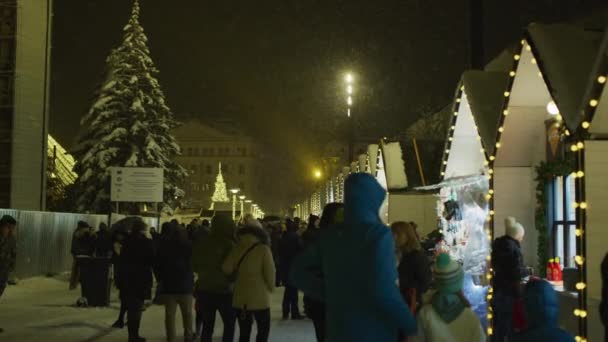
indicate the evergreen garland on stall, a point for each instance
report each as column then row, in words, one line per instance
column 545, row 174
column 128, row 125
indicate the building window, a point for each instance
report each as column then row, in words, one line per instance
column 241, row 169
column 563, row 216
column 196, row 151
column 209, row 169
column 244, row 151
column 211, row 151
column 242, row 186
column 189, row 151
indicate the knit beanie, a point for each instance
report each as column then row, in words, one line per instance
column 513, row 228
column 448, row 274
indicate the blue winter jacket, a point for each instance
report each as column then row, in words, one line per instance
column 542, row 311
column 357, row 261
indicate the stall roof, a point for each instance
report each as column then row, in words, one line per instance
column 429, row 133
column 486, row 95
column 598, row 117
column 566, row 55
column 504, row 61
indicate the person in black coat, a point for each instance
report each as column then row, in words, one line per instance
column 118, row 239
column 290, row 246
column 509, row 270
column 604, row 302
column 137, row 260
column 315, row 309
column 174, row 270
column 413, row 267
column 103, row 243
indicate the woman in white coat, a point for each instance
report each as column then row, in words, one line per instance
column 252, row 265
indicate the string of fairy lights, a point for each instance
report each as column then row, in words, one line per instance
column 578, row 148
column 488, row 162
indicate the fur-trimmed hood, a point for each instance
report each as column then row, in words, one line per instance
column 259, row 233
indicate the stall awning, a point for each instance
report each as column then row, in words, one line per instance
column 486, row 95
column 566, row 55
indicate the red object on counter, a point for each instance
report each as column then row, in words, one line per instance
column 550, row 267
column 557, row 271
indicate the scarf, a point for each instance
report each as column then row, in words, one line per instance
column 448, row 306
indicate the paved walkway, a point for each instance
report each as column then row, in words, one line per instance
column 42, row 309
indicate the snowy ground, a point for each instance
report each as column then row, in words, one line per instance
column 42, row 309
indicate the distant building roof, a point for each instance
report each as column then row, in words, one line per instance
column 64, row 162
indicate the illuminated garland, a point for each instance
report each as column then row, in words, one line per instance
column 581, row 202
column 545, row 174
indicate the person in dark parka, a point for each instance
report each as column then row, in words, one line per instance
column 174, row 271
column 357, row 259
column 315, row 309
column 118, row 238
column 604, row 302
column 213, row 287
column 137, row 261
column 509, row 270
column 541, row 307
column 413, row 266
column 290, row 247
column 103, row 242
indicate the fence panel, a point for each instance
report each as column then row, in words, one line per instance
column 44, row 240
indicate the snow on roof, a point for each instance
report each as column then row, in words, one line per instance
column 64, row 162
column 565, row 55
column 598, row 117
column 503, row 62
column 486, row 95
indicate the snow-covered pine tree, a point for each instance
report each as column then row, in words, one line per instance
column 220, row 195
column 128, row 124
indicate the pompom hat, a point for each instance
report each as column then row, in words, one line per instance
column 514, row 229
column 448, row 274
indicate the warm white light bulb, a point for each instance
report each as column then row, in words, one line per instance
column 552, row 108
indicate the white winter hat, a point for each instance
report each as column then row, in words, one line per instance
column 514, row 229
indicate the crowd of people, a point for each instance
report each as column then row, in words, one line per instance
column 361, row 280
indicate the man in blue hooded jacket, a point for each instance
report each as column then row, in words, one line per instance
column 357, row 261
column 542, row 312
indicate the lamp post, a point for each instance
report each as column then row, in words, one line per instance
column 250, row 204
column 242, row 198
column 349, row 78
column 234, row 192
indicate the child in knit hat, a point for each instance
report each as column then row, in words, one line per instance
column 447, row 317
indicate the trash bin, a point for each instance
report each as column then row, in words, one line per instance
column 95, row 280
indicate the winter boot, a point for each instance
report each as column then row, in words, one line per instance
column 134, row 321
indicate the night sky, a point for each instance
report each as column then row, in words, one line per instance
column 277, row 66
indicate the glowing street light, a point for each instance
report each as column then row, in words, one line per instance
column 317, row 174
column 349, row 78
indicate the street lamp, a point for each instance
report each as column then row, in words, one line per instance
column 242, row 198
column 317, row 174
column 349, row 91
column 234, row 192
column 350, row 79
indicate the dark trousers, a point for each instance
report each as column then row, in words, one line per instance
column 290, row 302
column 315, row 310
column 209, row 304
column 123, row 311
column 262, row 319
column 502, row 306
column 135, row 308
column 3, row 283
